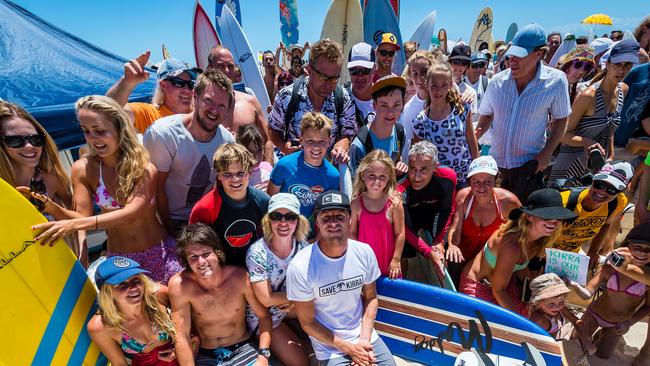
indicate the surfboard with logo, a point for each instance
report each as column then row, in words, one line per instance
column 512, row 30
column 46, row 298
column 204, row 35
column 289, row 22
column 434, row 326
column 482, row 30
column 344, row 24
column 233, row 37
column 233, row 5
column 424, row 31
column 379, row 18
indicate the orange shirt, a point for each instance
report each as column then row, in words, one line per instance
column 145, row 114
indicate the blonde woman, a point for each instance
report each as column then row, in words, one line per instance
column 285, row 233
column 133, row 321
column 525, row 235
column 642, row 34
column 119, row 178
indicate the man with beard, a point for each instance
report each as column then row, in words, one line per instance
column 233, row 208
column 332, row 285
column 181, row 147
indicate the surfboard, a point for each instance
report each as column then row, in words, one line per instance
column 165, row 52
column 46, row 298
column 204, row 34
column 512, row 30
column 442, row 38
column 393, row 3
column 379, row 18
column 289, row 22
column 233, row 5
column 482, row 30
column 433, row 326
column 567, row 45
column 424, row 31
column 344, row 24
column 233, row 37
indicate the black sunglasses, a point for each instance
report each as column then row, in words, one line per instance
column 18, row 141
column 324, row 77
column 480, row 65
column 179, row 83
column 586, row 66
column 459, row 62
column 289, row 216
column 600, row 185
column 360, row 71
column 386, row 53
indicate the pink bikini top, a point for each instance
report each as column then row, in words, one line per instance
column 102, row 197
column 637, row 289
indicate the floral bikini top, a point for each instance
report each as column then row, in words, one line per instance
column 133, row 346
column 102, row 197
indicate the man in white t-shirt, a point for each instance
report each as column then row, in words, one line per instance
column 332, row 285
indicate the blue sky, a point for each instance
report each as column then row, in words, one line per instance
column 128, row 27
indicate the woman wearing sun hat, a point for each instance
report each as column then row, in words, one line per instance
column 528, row 230
column 576, row 64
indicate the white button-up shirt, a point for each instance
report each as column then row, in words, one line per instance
column 521, row 120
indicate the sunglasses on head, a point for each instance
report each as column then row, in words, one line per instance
column 479, row 65
column 586, row 66
column 386, row 53
column 359, row 71
column 459, row 62
column 602, row 186
column 180, row 83
column 18, row 141
column 289, row 216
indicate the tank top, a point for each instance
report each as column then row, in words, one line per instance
column 473, row 236
column 376, row 230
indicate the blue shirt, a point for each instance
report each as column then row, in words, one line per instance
column 293, row 175
column 389, row 145
column 637, row 96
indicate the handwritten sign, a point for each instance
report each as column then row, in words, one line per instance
column 574, row 266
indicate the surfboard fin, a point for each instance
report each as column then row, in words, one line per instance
column 533, row 356
column 482, row 358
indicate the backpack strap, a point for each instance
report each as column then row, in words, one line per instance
column 365, row 139
column 611, row 207
column 401, row 137
column 292, row 107
column 339, row 102
column 484, row 82
column 574, row 194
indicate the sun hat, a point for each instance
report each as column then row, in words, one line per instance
column 526, row 40
column 331, row 200
column 547, row 286
column 116, row 270
column 545, row 203
column 617, row 174
column 284, row 200
column 361, row 54
column 483, row 164
column 626, row 50
column 584, row 54
column 601, row 45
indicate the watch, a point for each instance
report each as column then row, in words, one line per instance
column 264, row 352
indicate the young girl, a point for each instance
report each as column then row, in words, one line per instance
column 624, row 301
column 547, row 309
column 249, row 136
column 377, row 211
column 447, row 123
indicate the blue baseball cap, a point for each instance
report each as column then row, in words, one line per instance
column 173, row 67
column 476, row 58
column 526, row 40
column 626, row 50
column 115, row 270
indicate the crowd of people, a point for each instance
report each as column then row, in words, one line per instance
column 232, row 226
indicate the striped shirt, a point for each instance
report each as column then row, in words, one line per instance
column 521, row 120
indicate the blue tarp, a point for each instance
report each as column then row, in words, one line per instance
column 46, row 69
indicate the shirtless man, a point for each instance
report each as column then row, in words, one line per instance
column 211, row 298
column 271, row 71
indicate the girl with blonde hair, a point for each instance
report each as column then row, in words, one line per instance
column 118, row 177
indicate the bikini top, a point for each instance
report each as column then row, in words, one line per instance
column 133, row 346
column 556, row 323
column 102, row 197
column 491, row 259
column 636, row 289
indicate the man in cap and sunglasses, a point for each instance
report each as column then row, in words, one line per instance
column 361, row 61
column 460, row 61
column 386, row 50
column 173, row 93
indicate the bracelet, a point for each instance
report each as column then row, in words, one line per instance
column 95, row 222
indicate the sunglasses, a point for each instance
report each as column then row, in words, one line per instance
column 602, row 186
column 460, row 62
column 359, row 71
column 386, row 53
column 586, row 66
column 324, row 77
column 180, row 83
column 480, row 65
column 289, row 216
column 18, row 141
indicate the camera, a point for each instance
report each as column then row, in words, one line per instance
column 616, row 259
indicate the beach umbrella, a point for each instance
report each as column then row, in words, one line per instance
column 598, row 19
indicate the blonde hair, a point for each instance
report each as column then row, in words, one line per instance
column 328, row 49
column 158, row 98
column 317, row 122
column 49, row 161
column 132, row 157
column 152, row 310
column 232, row 153
column 301, row 234
column 429, row 56
column 637, row 31
column 453, row 97
column 375, row 156
column 521, row 226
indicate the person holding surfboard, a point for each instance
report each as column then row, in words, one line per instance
column 385, row 55
column 117, row 176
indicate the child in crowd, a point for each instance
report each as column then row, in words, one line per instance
column 447, row 123
column 377, row 211
column 548, row 310
column 249, row 136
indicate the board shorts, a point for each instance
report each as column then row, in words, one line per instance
column 239, row 354
column 483, row 291
column 160, row 260
column 151, row 358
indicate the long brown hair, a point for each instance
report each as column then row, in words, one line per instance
column 453, row 96
column 521, row 226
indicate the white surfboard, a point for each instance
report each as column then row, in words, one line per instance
column 424, row 31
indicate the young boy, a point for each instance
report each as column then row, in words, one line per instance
column 233, row 209
column 306, row 173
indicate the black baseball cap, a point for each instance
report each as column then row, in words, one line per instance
column 331, row 200
column 460, row 52
column 545, row 203
column 639, row 234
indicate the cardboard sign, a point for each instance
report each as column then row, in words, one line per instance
column 573, row 266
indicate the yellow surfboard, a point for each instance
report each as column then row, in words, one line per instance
column 46, row 298
column 344, row 24
column 482, row 30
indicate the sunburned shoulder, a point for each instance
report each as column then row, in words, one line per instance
column 505, row 196
column 241, row 97
column 81, row 167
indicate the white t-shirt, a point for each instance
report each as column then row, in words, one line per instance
column 334, row 285
column 365, row 106
column 486, row 139
column 462, row 86
column 189, row 162
column 413, row 107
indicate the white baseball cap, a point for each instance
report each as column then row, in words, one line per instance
column 361, row 54
column 483, row 164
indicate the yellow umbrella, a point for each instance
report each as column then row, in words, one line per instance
column 598, row 19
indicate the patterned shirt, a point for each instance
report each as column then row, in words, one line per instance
column 521, row 120
column 347, row 124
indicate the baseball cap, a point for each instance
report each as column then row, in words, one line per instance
column 388, row 80
column 617, row 174
column 526, row 40
column 545, row 203
column 460, row 51
column 330, row 200
column 639, row 234
column 626, row 50
column 284, row 200
column 476, row 58
column 361, row 54
column 547, row 286
column 173, row 67
column 389, row 38
column 115, row 270
column 601, row 45
column 483, row 164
